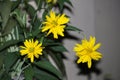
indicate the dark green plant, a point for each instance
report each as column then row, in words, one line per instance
column 19, row 21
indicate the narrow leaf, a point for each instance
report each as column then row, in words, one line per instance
column 9, row 43
column 9, row 60
column 29, row 73
column 61, row 4
column 72, row 28
column 30, row 10
column 46, row 65
column 9, row 26
column 58, row 48
column 57, row 57
column 15, row 4
column 5, row 11
column 43, row 75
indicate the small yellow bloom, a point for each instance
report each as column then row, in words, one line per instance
column 55, row 24
column 31, row 49
column 51, row 1
column 87, row 50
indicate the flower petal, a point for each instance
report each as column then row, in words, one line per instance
column 96, row 46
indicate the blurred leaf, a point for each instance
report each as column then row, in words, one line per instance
column 43, row 75
column 44, row 14
column 35, row 27
column 58, row 48
column 1, row 72
column 39, row 3
column 47, row 66
column 57, row 57
column 72, row 28
column 21, row 17
column 9, row 43
column 5, row 9
column 15, row 4
column 49, row 42
column 29, row 73
column 10, row 59
column 5, row 76
column 2, row 58
column 69, row 2
column 31, row 11
column 61, row 4
column 9, row 26
column 35, row 32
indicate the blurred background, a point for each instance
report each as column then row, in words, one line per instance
column 100, row 18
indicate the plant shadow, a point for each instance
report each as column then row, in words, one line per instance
column 84, row 70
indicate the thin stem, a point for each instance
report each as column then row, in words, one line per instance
column 26, row 67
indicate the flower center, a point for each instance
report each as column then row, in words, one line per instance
column 54, row 23
column 89, row 50
column 31, row 49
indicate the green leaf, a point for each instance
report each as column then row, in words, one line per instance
column 61, row 4
column 72, row 28
column 43, row 75
column 49, row 42
column 10, row 59
column 9, row 43
column 9, row 26
column 1, row 73
column 44, row 14
column 69, row 2
column 47, row 66
column 15, row 4
column 57, row 57
column 2, row 58
column 5, row 76
column 35, row 29
column 5, row 11
column 31, row 11
column 29, row 72
column 58, row 48
column 39, row 3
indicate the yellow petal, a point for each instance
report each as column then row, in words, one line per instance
column 97, row 46
column 79, row 60
column 23, row 52
column 86, row 59
column 92, row 41
column 63, row 19
column 89, row 63
column 52, row 15
column 32, row 58
column 96, row 55
column 36, row 43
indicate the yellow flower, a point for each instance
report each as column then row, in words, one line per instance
column 55, row 24
column 87, row 50
column 51, row 1
column 31, row 49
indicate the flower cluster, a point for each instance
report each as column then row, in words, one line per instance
column 26, row 50
column 55, row 25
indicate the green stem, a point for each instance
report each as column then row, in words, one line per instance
column 26, row 67
column 17, row 33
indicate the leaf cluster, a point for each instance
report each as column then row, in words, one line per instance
column 19, row 21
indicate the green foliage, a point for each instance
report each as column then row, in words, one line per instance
column 5, row 11
column 19, row 21
column 29, row 73
column 47, row 66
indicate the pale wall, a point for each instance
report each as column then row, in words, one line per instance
column 102, row 19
